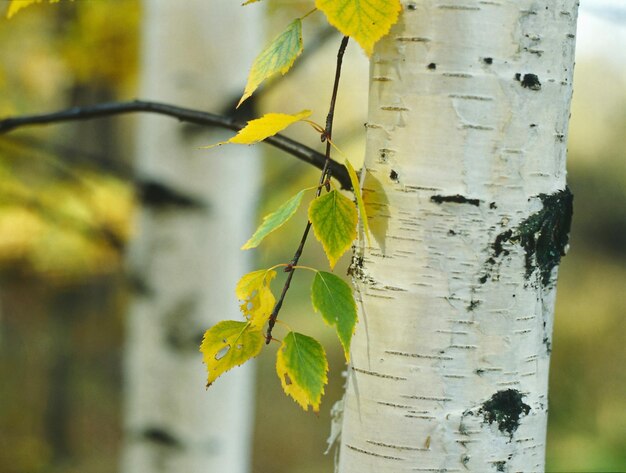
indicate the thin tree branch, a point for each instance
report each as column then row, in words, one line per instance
column 197, row 117
column 326, row 174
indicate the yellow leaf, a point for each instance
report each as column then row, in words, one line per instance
column 364, row 20
column 377, row 208
column 264, row 127
column 277, row 57
column 17, row 5
column 228, row 344
column 257, row 300
column 356, row 186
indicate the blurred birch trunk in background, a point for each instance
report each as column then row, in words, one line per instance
column 197, row 210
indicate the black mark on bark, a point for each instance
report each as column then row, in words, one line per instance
column 432, row 66
column 529, row 81
column 356, row 270
column 139, row 285
column 472, row 305
column 499, row 465
column 393, row 175
column 488, row 60
column 181, row 334
column 457, row 199
column 544, row 236
column 160, row 436
column 505, row 408
column 159, row 196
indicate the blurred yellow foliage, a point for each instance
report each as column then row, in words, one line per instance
column 59, row 227
column 101, row 44
column 65, row 229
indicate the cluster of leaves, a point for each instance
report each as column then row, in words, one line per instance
column 301, row 363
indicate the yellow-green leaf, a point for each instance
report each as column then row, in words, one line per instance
column 277, row 57
column 364, row 20
column 302, row 368
column 257, row 300
column 264, row 127
column 228, row 344
column 356, row 186
column 274, row 220
column 332, row 297
column 377, row 208
column 334, row 219
column 17, row 5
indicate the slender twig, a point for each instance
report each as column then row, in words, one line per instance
column 197, row 117
column 324, row 177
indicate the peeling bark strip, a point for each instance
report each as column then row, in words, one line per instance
column 452, row 374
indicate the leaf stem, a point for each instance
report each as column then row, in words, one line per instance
column 312, row 11
column 326, row 174
column 308, row 268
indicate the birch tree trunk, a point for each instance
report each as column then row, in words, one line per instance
column 468, row 115
column 198, row 208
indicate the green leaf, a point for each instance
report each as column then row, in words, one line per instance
column 334, row 219
column 264, row 127
column 356, row 186
column 275, row 220
column 332, row 297
column 228, row 344
column 279, row 56
column 257, row 300
column 364, row 20
column 302, row 368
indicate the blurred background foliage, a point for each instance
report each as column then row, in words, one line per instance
column 66, row 205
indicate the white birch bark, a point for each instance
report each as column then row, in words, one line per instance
column 198, row 209
column 468, row 115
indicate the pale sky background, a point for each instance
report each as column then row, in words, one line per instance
column 602, row 30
